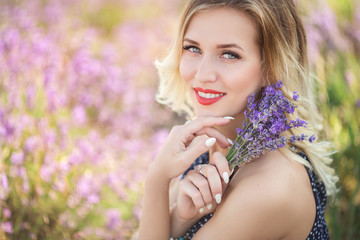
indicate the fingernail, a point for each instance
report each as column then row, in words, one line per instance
column 230, row 141
column 201, row 210
column 187, row 121
column 230, row 118
column 232, row 171
column 209, row 206
column 210, row 142
column 218, row 198
column 225, row 177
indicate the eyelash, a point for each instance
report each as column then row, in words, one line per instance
column 188, row 47
column 233, row 55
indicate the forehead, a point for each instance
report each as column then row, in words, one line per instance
column 222, row 24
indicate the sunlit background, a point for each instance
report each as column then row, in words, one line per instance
column 79, row 124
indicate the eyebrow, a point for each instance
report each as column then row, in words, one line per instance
column 230, row 45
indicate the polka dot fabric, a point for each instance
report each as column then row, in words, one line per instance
column 319, row 229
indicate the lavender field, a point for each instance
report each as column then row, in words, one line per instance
column 79, row 125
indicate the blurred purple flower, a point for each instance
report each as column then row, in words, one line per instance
column 10, row 38
column 349, row 77
column 87, row 186
column 53, row 12
column 6, row 212
column 17, row 158
column 79, row 115
column 85, row 65
column 25, row 187
column 7, row 130
column 31, row 143
column 6, row 227
column 4, row 186
column 93, row 198
column 357, row 103
column 116, row 183
column 314, row 40
column 113, row 218
column 30, row 96
column 59, row 184
column 47, row 171
column 76, row 157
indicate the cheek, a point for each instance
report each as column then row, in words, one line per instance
column 250, row 77
column 186, row 69
column 246, row 80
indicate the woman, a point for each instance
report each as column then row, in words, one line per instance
column 225, row 51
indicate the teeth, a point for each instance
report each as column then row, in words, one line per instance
column 209, row 95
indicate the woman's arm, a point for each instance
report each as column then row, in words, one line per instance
column 155, row 219
column 184, row 144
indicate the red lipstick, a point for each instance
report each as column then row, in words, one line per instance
column 208, row 96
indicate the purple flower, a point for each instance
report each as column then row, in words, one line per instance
column 265, row 122
column 312, row 138
column 357, row 103
column 6, row 213
column 295, row 96
column 4, row 186
column 93, row 198
column 6, row 227
column 113, row 218
column 31, row 144
column 17, row 158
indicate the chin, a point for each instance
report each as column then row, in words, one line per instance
column 210, row 113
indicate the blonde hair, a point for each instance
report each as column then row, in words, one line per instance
column 282, row 41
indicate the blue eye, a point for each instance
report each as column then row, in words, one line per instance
column 192, row 49
column 231, row 55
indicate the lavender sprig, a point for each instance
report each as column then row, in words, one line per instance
column 264, row 124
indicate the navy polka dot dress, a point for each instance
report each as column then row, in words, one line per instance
column 319, row 229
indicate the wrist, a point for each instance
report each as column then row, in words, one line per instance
column 158, row 172
column 156, row 176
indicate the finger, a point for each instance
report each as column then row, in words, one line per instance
column 202, row 184
column 221, row 140
column 193, row 192
column 197, row 147
column 191, row 129
column 222, row 165
column 214, row 179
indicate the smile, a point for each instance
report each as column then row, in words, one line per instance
column 208, row 96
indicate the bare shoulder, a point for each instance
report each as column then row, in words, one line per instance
column 270, row 198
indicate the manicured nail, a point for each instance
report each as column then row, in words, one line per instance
column 232, row 171
column 201, row 210
column 230, row 141
column 187, row 121
column 230, row 118
column 209, row 206
column 210, row 142
column 218, row 198
column 225, row 176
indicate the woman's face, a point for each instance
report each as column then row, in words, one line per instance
column 221, row 61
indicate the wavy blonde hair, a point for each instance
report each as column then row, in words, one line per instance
column 282, row 40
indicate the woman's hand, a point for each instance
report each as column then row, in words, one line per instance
column 201, row 190
column 187, row 142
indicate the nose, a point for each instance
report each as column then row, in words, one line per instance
column 206, row 71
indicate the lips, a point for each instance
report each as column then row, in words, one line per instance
column 208, row 96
